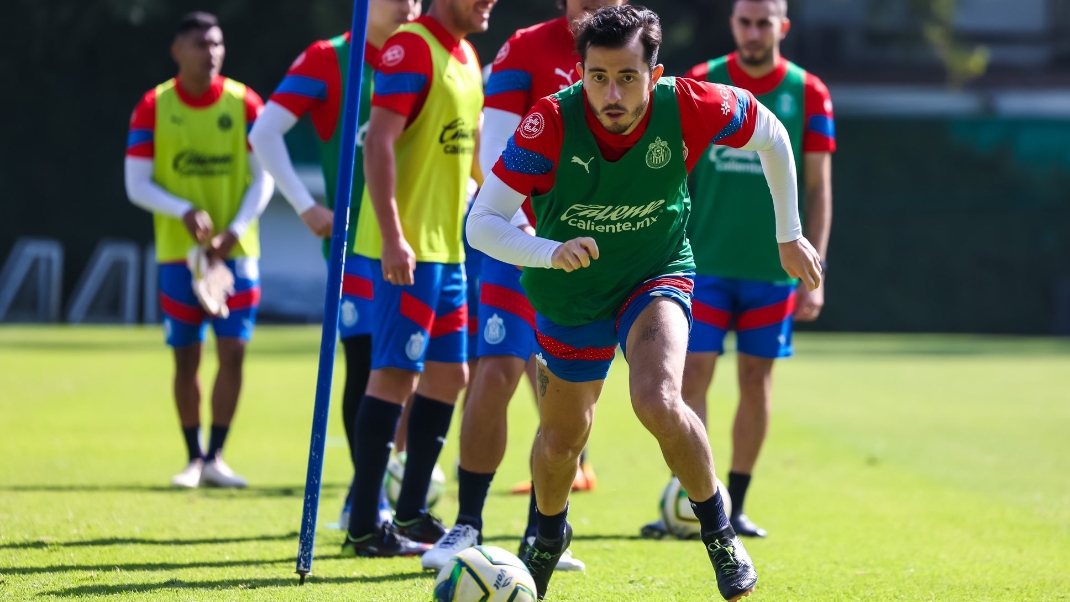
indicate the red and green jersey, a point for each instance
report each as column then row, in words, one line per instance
column 315, row 84
column 628, row 192
column 732, row 223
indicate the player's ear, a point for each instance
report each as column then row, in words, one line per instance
column 656, row 74
column 785, row 27
column 579, row 70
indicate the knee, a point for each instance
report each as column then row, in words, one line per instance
column 231, row 356
column 449, row 379
column 755, row 382
column 561, row 447
column 659, row 409
column 187, row 361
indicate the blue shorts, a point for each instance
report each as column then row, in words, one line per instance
column 760, row 311
column 506, row 317
column 355, row 312
column 184, row 321
column 424, row 322
column 584, row 353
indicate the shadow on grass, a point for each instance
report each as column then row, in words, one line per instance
column 293, row 491
column 142, row 541
column 139, row 567
column 229, row 584
column 498, row 539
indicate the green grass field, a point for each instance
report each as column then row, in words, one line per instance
column 898, row 468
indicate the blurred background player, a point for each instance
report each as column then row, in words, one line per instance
column 315, row 85
column 535, row 62
column 739, row 279
column 419, row 154
column 612, row 265
column 189, row 163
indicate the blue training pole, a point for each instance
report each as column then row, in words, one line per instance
column 336, row 266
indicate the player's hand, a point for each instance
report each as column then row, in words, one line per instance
column 199, row 225
column 399, row 262
column 800, row 260
column 808, row 303
column 320, row 220
column 575, row 254
column 221, row 246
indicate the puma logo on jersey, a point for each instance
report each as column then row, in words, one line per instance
column 586, row 164
column 565, row 74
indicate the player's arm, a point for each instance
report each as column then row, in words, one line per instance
column 312, row 81
column 384, row 129
column 269, row 143
column 819, row 141
column 735, row 118
column 257, row 194
column 138, row 168
column 527, row 164
column 489, row 229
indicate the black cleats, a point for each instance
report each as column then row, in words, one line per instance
column 383, row 543
column 541, row 558
column 736, row 576
column 654, row 530
column 745, row 528
column 426, row 529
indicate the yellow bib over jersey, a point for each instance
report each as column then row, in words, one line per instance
column 433, row 158
column 201, row 156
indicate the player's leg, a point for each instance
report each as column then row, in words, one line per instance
column 506, row 342
column 444, row 376
column 232, row 335
column 354, row 328
column 711, row 306
column 573, row 365
column 654, row 332
column 764, row 332
column 184, row 330
column 401, row 325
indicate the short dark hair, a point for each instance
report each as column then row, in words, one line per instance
column 196, row 21
column 616, row 26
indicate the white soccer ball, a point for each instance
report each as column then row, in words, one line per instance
column 484, row 574
column 395, row 473
column 676, row 512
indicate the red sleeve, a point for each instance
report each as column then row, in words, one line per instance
column 139, row 140
column 529, row 162
column 714, row 113
column 311, row 80
column 820, row 129
column 509, row 85
column 403, row 75
column 700, row 72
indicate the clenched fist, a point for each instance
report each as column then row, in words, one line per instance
column 575, row 254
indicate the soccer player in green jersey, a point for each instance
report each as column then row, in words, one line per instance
column 605, row 163
column 739, row 282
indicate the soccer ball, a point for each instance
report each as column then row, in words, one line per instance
column 395, row 473
column 484, row 574
column 676, row 512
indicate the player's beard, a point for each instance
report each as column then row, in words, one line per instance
column 620, row 127
column 756, row 58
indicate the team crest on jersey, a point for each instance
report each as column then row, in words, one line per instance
column 494, row 331
column 658, row 154
column 533, row 125
column 785, row 105
column 225, row 122
column 393, row 55
column 350, row 315
column 415, row 347
column 504, row 52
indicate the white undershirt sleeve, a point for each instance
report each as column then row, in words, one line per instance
column 147, row 194
column 489, row 228
column 771, row 141
column 269, row 143
column 498, row 126
column 256, row 197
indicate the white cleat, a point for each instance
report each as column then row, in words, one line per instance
column 456, row 540
column 189, row 478
column 216, row 473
